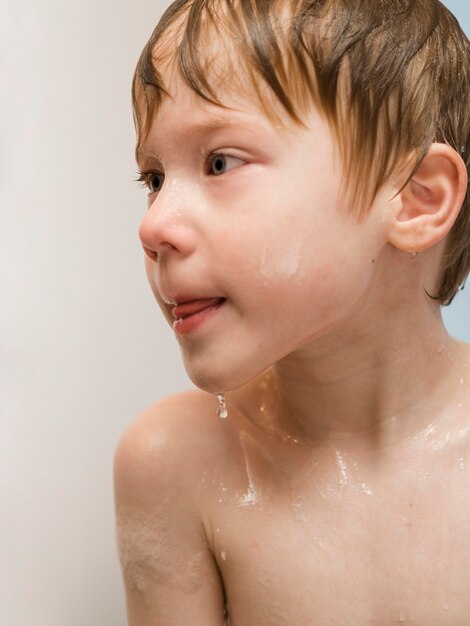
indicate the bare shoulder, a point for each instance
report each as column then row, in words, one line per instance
column 173, row 440
column 169, row 570
column 182, row 415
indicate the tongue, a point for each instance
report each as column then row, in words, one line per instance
column 189, row 308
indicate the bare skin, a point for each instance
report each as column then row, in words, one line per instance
column 337, row 490
column 344, row 530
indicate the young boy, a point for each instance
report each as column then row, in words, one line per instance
column 308, row 216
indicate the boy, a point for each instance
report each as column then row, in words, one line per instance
column 307, row 167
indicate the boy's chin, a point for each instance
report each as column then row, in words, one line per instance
column 219, row 378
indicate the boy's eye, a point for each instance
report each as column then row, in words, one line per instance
column 221, row 163
column 155, row 182
column 152, row 180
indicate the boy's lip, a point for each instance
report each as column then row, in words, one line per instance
column 175, row 298
column 184, row 308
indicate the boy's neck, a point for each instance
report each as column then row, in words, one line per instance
column 377, row 389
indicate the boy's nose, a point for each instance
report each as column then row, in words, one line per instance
column 165, row 229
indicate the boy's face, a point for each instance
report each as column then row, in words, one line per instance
column 264, row 226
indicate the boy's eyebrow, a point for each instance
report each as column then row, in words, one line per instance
column 149, row 154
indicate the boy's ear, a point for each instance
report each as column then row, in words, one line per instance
column 426, row 209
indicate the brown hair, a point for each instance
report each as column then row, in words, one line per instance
column 390, row 76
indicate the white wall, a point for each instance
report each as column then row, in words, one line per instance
column 83, row 347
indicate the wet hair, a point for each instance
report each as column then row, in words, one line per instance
column 390, row 76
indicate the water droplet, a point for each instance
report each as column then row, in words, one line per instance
column 222, row 555
column 440, row 349
column 413, row 255
column 461, row 464
column 291, row 438
column 222, row 410
column 220, row 500
column 217, row 530
column 445, row 606
column 401, row 617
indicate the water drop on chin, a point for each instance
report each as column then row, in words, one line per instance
column 222, row 410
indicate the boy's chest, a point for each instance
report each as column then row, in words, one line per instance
column 335, row 550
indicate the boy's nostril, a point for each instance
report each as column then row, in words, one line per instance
column 152, row 254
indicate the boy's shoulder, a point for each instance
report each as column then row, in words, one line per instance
column 180, row 432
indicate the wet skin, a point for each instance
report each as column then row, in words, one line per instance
column 336, row 492
column 342, row 533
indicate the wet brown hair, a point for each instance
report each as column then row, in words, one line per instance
column 390, row 76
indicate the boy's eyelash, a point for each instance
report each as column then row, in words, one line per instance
column 144, row 176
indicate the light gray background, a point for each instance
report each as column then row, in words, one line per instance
column 83, row 346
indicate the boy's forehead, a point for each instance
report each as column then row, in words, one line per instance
column 184, row 108
column 183, row 115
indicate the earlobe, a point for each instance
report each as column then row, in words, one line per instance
column 425, row 210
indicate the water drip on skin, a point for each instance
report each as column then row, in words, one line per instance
column 461, row 464
column 282, row 264
column 429, row 431
column 435, row 442
column 297, row 506
column 250, row 497
column 224, row 490
column 345, row 479
column 401, row 617
column 222, row 411
column 343, row 470
column 267, row 400
column 364, row 487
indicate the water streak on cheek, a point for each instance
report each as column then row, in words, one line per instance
column 281, row 261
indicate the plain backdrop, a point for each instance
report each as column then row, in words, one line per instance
column 83, row 346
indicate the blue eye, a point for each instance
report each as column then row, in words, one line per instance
column 221, row 163
column 218, row 164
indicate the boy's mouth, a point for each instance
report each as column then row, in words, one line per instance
column 185, row 309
